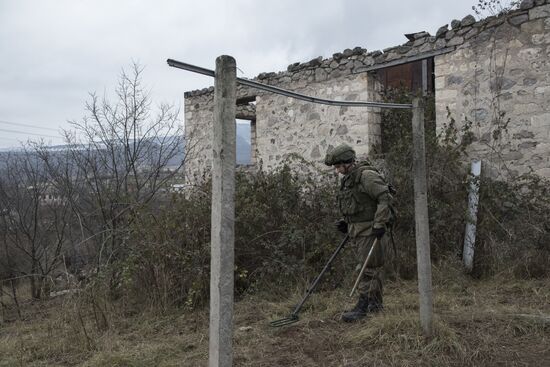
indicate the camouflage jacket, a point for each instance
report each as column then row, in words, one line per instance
column 364, row 199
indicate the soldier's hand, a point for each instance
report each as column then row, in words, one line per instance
column 378, row 232
column 341, row 225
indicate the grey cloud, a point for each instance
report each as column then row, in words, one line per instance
column 56, row 51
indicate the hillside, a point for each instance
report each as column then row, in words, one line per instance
column 242, row 148
column 497, row 322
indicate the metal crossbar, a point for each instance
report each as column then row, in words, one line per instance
column 288, row 93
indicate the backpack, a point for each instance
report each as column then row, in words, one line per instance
column 367, row 166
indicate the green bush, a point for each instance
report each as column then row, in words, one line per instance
column 283, row 236
column 284, row 232
column 446, row 178
column 512, row 234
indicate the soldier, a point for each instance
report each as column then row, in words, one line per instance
column 364, row 200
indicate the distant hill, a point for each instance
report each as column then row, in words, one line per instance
column 243, row 148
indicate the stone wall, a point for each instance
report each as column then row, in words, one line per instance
column 199, row 113
column 490, row 71
column 285, row 126
column 288, row 126
column 499, row 75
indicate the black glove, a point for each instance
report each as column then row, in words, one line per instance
column 378, row 232
column 341, row 225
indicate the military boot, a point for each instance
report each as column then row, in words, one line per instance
column 374, row 306
column 375, row 302
column 359, row 311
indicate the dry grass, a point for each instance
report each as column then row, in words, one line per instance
column 499, row 322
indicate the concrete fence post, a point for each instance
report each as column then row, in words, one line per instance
column 422, row 228
column 223, row 214
column 471, row 221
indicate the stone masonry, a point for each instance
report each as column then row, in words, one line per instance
column 285, row 126
column 499, row 75
column 490, row 72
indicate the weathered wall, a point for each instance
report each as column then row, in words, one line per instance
column 500, row 74
column 482, row 69
column 286, row 126
column 199, row 114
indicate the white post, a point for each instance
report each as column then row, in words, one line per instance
column 471, row 221
column 422, row 228
column 223, row 214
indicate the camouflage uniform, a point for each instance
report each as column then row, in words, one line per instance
column 365, row 203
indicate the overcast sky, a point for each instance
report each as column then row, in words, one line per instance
column 54, row 52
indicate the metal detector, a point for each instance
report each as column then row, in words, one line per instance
column 293, row 317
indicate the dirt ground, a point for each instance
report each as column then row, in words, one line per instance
column 498, row 322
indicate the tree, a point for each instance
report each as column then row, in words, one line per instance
column 34, row 220
column 485, row 8
column 120, row 156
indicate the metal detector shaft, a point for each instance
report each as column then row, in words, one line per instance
column 312, row 286
column 364, row 267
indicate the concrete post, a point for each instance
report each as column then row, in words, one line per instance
column 422, row 228
column 471, row 221
column 223, row 214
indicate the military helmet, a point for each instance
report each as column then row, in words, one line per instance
column 343, row 153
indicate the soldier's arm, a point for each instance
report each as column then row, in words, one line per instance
column 377, row 188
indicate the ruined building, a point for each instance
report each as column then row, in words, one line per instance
column 486, row 72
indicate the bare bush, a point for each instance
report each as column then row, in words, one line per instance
column 120, row 157
column 34, row 223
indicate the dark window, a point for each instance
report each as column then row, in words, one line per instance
column 408, row 76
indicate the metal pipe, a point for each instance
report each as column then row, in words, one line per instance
column 363, row 267
column 287, row 93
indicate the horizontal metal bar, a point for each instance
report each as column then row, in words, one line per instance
column 189, row 67
column 284, row 92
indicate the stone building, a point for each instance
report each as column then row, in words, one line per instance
column 493, row 72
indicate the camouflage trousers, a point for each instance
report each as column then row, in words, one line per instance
column 371, row 283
